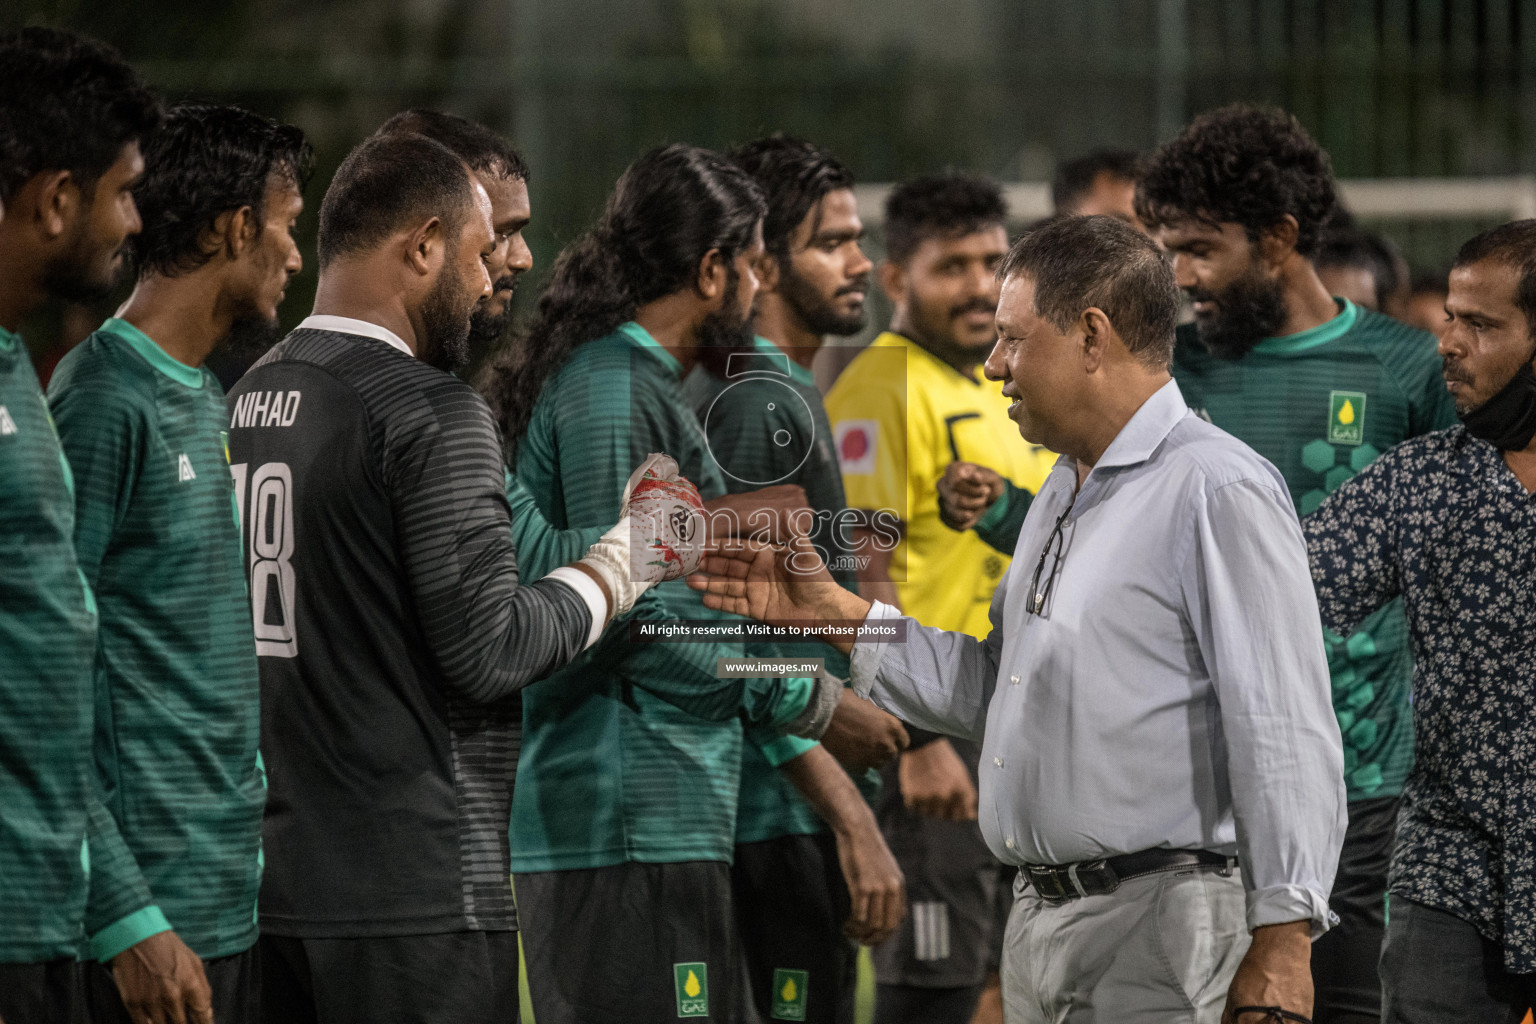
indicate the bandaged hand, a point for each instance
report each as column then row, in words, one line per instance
column 659, row 536
column 666, row 522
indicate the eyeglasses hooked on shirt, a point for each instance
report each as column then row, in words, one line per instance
column 1038, row 594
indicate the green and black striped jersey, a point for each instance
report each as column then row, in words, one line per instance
column 177, row 690
column 394, row 629
column 766, row 424
column 631, row 752
column 1322, row 405
column 47, row 639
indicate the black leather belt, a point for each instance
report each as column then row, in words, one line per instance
column 1058, row 883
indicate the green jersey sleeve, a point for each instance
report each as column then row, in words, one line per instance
column 541, row 547
column 1001, row 523
column 103, row 435
column 119, row 911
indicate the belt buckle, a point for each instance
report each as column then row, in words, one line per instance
column 1048, row 884
column 1093, row 878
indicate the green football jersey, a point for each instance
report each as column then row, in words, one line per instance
column 157, row 532
column 47, row 639
column 631, row 752
column 766, row 424
column 1321, row 405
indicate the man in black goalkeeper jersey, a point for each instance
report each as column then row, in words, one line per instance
column 392, row 631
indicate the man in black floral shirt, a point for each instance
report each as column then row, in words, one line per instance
column 1448, row 520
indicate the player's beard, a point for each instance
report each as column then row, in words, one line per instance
column 935, row 330
column 816, row 311
column 1247, row 311
column 445, row 320
column 250, row 336
column 723, row 332
column 82, row 273
column 484, row 329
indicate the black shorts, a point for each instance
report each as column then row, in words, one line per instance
column 235, row 981
column 464, row 977
column 791, row 903
column 631, row 942
column 52, row 992
column 958, row 896
column 1345, row 974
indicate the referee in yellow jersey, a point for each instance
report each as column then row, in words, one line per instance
column 907, row 406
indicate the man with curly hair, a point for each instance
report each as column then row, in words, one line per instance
column 172, row 919
column 1320, row 387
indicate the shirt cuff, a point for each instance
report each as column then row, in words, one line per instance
column 128, row 931
column 591, row 595
column 864, row 661
column 785, row 749
column 1282, row 904
column 996, row 512
column 799, row 693
column 824, row 694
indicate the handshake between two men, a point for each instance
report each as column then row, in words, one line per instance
column 664, row 533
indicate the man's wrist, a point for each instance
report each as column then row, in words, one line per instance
column 856, row 822
column 1291, row 936
column 127, row 932
column 845, row 607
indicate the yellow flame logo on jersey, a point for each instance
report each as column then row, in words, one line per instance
column 691, row 986
column 789, row 993
column 1346, row 417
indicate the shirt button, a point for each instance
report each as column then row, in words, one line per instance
column 1014, row 680
column 1011, row 845
column 997, row 761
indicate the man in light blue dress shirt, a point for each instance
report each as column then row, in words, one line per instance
column 1160, row 754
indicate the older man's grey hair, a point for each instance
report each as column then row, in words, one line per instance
column 1081, row 263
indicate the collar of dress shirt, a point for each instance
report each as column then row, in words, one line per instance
column 347, row 325
column 1146, row 429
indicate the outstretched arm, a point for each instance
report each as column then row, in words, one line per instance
column 934, row 679
column 490, row 633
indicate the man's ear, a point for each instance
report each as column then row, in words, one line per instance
column 59, row 201
column 1278, row 241
column 893, row 281
column 713, row 277
column 424, row 247
column 1098, row 335
column 233, row 231
column 767, row 273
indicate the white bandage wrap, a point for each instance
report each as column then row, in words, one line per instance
column 591, row 595
column 658, row 537
column 609, row 559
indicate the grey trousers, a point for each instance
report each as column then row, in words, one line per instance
column 1158, row 950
